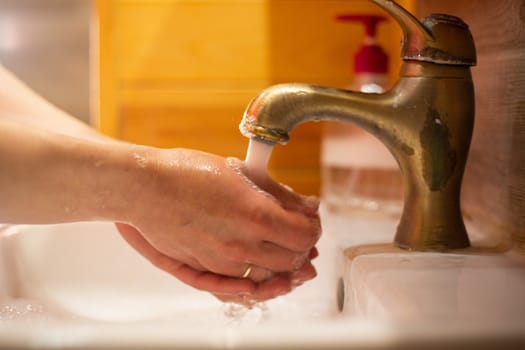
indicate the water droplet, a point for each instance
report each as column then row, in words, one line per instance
column 141, row 160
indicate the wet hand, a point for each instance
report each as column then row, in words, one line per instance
column 205, row 219
column 277, row 285
column 227, row 289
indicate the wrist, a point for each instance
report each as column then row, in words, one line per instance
column 123, row 175
column 85, row 180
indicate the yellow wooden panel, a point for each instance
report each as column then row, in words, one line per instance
column 171, row 126
column 176, row 126
column 179, row 73
column 103, row 103
column 197, row 96
column 203, row 119
column 190, row 40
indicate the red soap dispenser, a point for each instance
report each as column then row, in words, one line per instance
column 359, row 175
column 370, row 61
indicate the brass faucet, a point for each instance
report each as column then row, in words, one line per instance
column 425, row 120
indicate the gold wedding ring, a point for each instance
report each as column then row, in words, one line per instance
column 247, row 271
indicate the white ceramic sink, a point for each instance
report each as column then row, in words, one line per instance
column 415, row 287
column 81, row 286
column 86, row 271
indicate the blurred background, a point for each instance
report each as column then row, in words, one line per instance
column 46, row 43
column 165, row 73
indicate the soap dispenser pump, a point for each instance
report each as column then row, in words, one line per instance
column 370, row 62
column 360, row 177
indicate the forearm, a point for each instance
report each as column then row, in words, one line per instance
column 47, row 177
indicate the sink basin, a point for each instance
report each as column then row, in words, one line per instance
column 83, row 270
column 87, row 271
column 415, row 287
column 80, row 285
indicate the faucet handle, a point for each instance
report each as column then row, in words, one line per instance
column 438, row 38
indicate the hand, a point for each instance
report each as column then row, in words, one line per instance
column 201, row 219
column 278, row 284
column 227, row 289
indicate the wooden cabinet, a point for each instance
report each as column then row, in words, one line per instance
column 179, row 73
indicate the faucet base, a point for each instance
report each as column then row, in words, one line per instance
column 437, row 231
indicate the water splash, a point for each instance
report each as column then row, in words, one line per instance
column 22, row 310
column 240, row 314
column 140, row 160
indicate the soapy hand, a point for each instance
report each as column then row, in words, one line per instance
column 212, row 219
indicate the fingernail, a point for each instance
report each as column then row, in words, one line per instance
column 297, row 283
column 307, row 272
column 314, row 253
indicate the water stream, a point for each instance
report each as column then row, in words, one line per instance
column 256, row 161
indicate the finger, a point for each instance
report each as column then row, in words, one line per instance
column 279, row 285
column 234, row 262
column 235, row 255
column 305, row 273
column 314, row 253
column 307, row 205
column 291, row 230
column 201, row 280
column 230, row 258
column 272, row 288
column 208, row 281
column 288, row 199
column 256, row 274
column 267, row 219
column 276, row 258
column 135, row 239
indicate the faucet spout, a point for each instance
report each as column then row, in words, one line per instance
column 272, row 114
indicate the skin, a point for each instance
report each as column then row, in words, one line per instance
column 200, row 217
